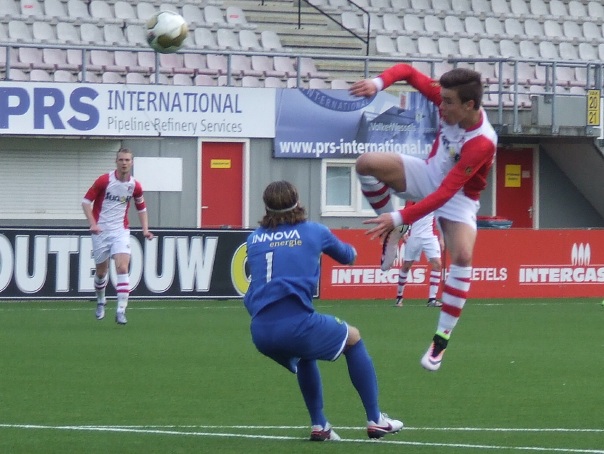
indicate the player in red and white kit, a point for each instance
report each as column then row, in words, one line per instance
column 422, row 237
column 447, row 183
column 105, row 206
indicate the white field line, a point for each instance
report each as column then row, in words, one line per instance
column 170, row 430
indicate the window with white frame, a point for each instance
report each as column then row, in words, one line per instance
column 341, row 194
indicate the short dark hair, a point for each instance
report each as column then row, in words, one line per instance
column 124, row 150
column 466, row 82
column 282, row 205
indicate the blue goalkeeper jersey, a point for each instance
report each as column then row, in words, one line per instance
column 284, row 262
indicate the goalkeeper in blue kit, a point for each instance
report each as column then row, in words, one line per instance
column 283, row 256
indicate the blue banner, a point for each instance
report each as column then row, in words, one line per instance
column 334, row 124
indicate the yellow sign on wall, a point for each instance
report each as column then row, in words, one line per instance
column 513, row 175
column 220, row 164
column 593, row 107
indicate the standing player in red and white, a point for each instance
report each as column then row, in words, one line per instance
column 422, row 236
column 447, row 183
column 106, row 208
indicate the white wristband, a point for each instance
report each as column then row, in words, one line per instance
column 397, row 218
column 379, row 83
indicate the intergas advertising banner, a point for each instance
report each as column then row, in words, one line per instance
column 508, row 263
column 37, row 108
column 334, row 124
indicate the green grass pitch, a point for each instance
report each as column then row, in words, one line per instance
column 184, row 377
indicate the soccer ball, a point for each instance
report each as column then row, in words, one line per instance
column 166, row 31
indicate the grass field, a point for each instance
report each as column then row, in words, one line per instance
column 184, row 377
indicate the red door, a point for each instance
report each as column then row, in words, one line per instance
column 221, row 184
column 515, row 186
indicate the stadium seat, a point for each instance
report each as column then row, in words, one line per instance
column 433, row 24
column 9, row 10
column 481, row 7
column 591, row 31
column 509, row 49
column 31, row 9
column 588, row 52
column 102, row 12
column 112, row 78
column 67, row 33
column 40, row 75
column 194, row 14
column 595, row 10
column 475, row 27
column 103, row 60
column 427, row 46
column 274, row 82
column 384, row 45
column 205, row 80
column 339, row 84
column 553, row 30
column 217, row 63
column 62, row 75
column 89, row 77
column 392, row 23
column 144, row 10
column 407, row 46
column 528, row 49
column 198, row 63
column 78, row 9
column 169, row 7
column 557, row 8
column 548, row 50
column 213, row 16
column 469, row 48
column 513, row 28
column 270, row 41
column 572, row 30
column 500, row 8
column 136, row 78
column 488, row 48
column 352, row 21
column 33, row 58
column 519, row 8
column 577, row 10
column 113, row 34
column 43, row 32
column 318, row 84
column 205, row 38
column 400, row 5
column 159, row 79
column 447, row 47
column 227, row 39
column 414, row 25
column 242, row 65
column 308, row 69
column 235, row 17
column 251, row 82
column 57, row 58
column 284, row 65
column 136, row 35
column 248, row 40
column 454, row 26
column 539, row 8
column 128, row 60
column 494, row 27
column 16, row 74
column 568, row 51
column 174, row 63
column 182, row 79
column 373, row 22
column 125, row 11
column 461, row 6
column 19, row 31
column 56, row 9
column 380, row 6
column 533, row 29
column 91, row 33
column 486, row 70
column 264, row 65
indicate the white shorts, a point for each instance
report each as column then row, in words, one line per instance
column 415, row 245
column 419, row 184
column 108, row 243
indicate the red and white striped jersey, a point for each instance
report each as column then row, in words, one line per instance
column 111, row 198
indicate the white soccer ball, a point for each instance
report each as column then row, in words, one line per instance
column 166, row 31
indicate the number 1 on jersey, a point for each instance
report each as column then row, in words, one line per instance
column 269, row 266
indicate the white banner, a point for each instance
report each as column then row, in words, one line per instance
column 39, row 108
